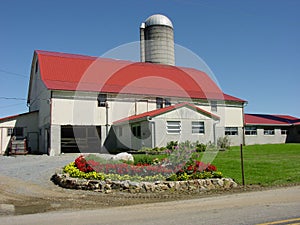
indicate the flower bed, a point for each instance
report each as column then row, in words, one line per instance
column 91, row 169
column 89, row 174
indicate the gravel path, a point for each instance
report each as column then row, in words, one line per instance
column 33, row 168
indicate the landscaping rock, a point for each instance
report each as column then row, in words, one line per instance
column 7, row 209
column 109, row 186
column 123, row 156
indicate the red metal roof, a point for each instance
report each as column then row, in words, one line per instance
column 265, row 119
column 157, row 112
column 15, row 116
column 61, row 71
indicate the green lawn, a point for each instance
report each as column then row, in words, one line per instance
column 266, row 165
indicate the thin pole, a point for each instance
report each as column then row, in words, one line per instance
column 242, row 165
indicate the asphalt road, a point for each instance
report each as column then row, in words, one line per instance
column 243, row 208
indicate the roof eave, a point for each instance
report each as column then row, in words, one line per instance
column 267, row 124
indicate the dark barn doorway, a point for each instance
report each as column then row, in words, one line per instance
column 80, row 139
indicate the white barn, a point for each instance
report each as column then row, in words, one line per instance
column 83, row 102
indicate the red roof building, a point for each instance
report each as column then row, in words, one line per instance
column 70, row 72
column 268, row 119
column 271, row 129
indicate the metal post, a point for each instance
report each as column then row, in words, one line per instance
column 242, row 165
column 107, row 124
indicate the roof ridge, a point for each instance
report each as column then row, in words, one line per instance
column 64, row 55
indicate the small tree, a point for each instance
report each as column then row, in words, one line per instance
column 223, row 143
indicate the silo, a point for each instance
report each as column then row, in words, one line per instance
column 157, row 40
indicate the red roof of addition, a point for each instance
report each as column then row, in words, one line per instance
column 15, row 116
column 266, row 119
column 157, row 112
column 70, row 72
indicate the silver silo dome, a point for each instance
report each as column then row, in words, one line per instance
column 157, row 40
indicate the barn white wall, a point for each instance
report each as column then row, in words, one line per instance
column 77, row 112
column 260, row 138
column 186, row 116
column 40, row 100
column 28, row 121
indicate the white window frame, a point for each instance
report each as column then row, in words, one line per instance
column 284, row 131
column 231, row 131
column 173, row 127
column 198, row 127
column 269, row 131
column 251, row 131
column 214, row 106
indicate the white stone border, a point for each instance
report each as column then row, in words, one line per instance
column 109, row 186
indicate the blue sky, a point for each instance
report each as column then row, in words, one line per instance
column 252, row 46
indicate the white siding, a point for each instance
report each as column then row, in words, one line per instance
column 77, row 112
column 233, row 117
column 29, row 122
column 185, row 116
column 260, row 138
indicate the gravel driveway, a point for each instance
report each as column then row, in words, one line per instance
column 33, row 168
column 26, row 188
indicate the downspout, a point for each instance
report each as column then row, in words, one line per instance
column 153, row 135
column 50, row 125
column 214, row 131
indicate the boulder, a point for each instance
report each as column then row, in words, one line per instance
column 123, row 156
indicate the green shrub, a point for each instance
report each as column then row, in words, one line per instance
column 147, row 159
column 223, row 143
column 200, row 147
column 171, row 145
column 187, row 145
column 153, row 151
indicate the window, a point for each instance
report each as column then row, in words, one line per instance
column 167, row 102
column 10, row 131
column 197, row 127
column 173, row 127
column 269, row 131
column 17, row 131
column 214, row 106
column 159, row 103
column 250, row 131
column 231, row 131
column 136, row 130
column 102, row 98
column 284, row 132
